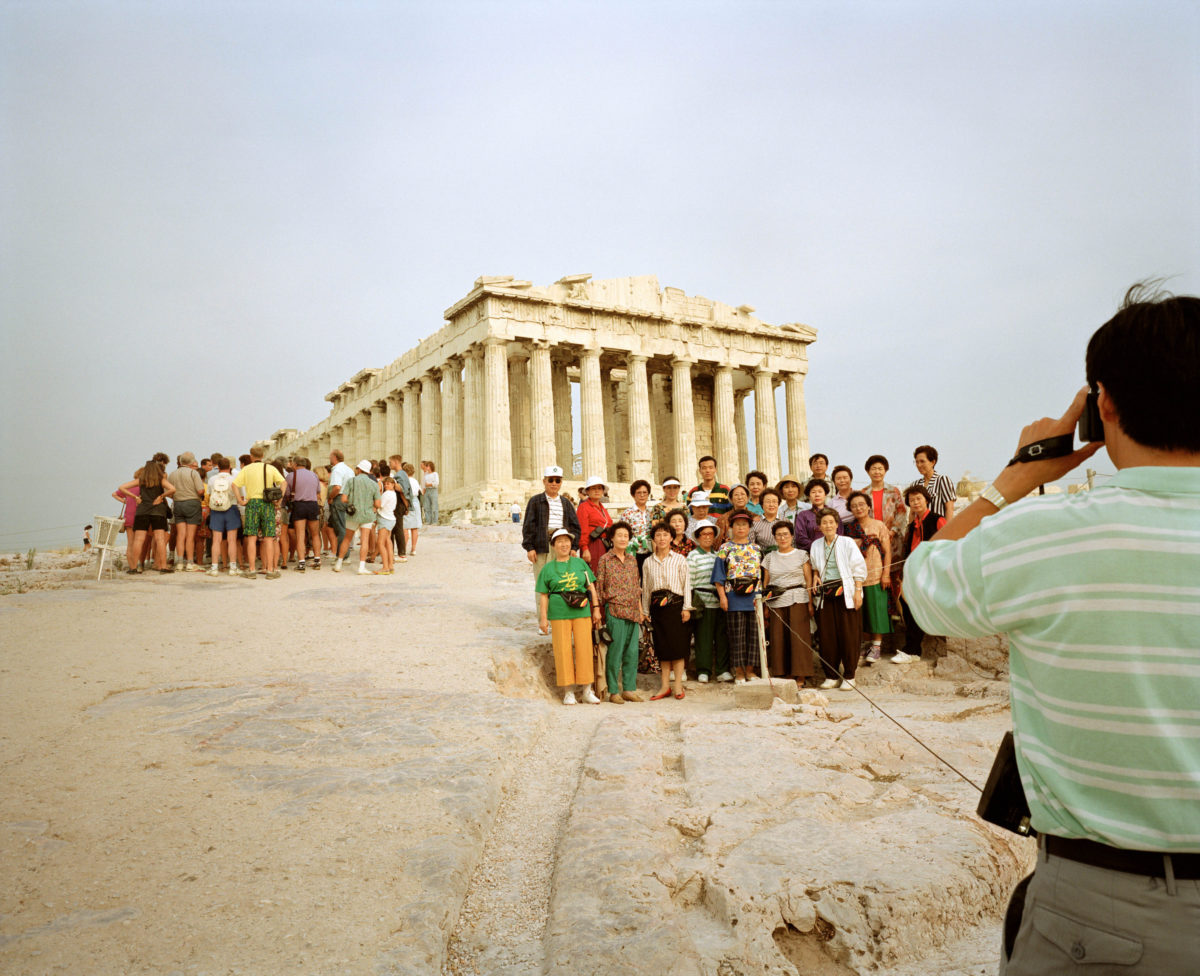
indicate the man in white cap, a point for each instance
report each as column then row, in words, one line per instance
column 547, row 510
column 362, row 495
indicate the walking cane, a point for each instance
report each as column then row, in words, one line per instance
column 762, row 638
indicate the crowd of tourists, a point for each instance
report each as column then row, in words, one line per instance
column 240, row 515
column 676, row 586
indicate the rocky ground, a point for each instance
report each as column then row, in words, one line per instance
column 339, row 774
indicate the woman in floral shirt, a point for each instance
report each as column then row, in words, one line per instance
column 620, row 590
column 638, row 517
column 677, row 522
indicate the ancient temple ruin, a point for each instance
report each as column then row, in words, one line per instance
column 662, row 380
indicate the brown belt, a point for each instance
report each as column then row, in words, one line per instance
column 1150, row 863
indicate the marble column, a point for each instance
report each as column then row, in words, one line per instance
column 797, row 424
column 664, row 431
column 564, row 433
column 641, row 444
column 362, row 436
column 591, row 420
column 497, row 422
column 473, row 417
column 620, row 450
column 518, row 393
column 725, row 437
column 766, row 425
column 393, row 433
column 378, row 441
column 431, row 417
column 412, row 422
column 449, row 461
column 684, row 417
column 608, row 397
column 739, row 426
column 541, row 418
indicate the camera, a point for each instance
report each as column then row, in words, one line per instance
column 1091, row 428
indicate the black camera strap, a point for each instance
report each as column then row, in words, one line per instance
column 1045, row 449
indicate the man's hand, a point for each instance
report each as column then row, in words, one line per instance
column 1019, row 480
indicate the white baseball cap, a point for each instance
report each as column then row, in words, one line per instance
column 552, row 471
column 592, row 482
column 364, row 466
column 699, row 498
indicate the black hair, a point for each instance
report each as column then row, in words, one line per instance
column 841, row 467
column 640, row 483
column 929, row 452
column 917, row 490
column 622, row 524
column 707, row 457
column 827, row 511
column 783, row 524
column 1148, row 358
column 769, row 491
column 824, row 457
column 755, row 474
column 660, row 526
column 816, row 483
column 858, row 494
column 875, row 459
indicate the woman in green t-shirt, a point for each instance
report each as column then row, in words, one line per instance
column 570, row 628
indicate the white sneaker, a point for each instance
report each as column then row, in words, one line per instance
column 702, row 678
column 234, row 571
column 337, row 566
column 569, row 698
column 589, row 696
column 213, row 571
column 829, row 683
column 362, row 570
column 901, row 658
column 848, row 683
column 724, row 676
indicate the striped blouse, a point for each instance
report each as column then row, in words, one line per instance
column 666, row 574
column 941, row 490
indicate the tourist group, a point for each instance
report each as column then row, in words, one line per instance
column 678, row 584
column 239, row 515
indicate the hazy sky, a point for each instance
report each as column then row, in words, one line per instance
column 213, row 214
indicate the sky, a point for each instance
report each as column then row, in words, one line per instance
column 211, row 214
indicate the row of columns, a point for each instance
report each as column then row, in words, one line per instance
column 500, row 412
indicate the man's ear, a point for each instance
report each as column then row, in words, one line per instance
column 1108, row 409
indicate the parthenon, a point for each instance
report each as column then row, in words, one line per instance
column 662, row 380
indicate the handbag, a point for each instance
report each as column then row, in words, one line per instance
column 274, row 493
column 575, row 599
column 743, row 584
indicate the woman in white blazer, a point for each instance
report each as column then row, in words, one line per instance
column 839, row 572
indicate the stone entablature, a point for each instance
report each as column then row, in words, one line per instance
column 662, row 380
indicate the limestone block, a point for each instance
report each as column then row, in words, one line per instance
column 762, row 693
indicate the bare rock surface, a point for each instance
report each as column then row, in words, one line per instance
column 339, row 774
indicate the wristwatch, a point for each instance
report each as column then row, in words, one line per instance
column 991, row 494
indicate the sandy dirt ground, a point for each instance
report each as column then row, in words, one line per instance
column 325, row 773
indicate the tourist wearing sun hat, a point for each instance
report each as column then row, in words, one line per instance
column 712, row 648
column 790, row 489
column 698, row 503
column 736, row 574
column 671, row 499
column 594, row 521
column 562, row 582
column 546, row 511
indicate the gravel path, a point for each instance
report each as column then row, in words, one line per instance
column 504, row 916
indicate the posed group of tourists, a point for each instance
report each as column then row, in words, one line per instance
column 239, row 515
column 678, row 584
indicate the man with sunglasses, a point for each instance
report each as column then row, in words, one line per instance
column 546, row 512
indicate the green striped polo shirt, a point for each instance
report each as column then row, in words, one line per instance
column 1099, row 594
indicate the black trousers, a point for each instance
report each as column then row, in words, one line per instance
column 913, row 634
